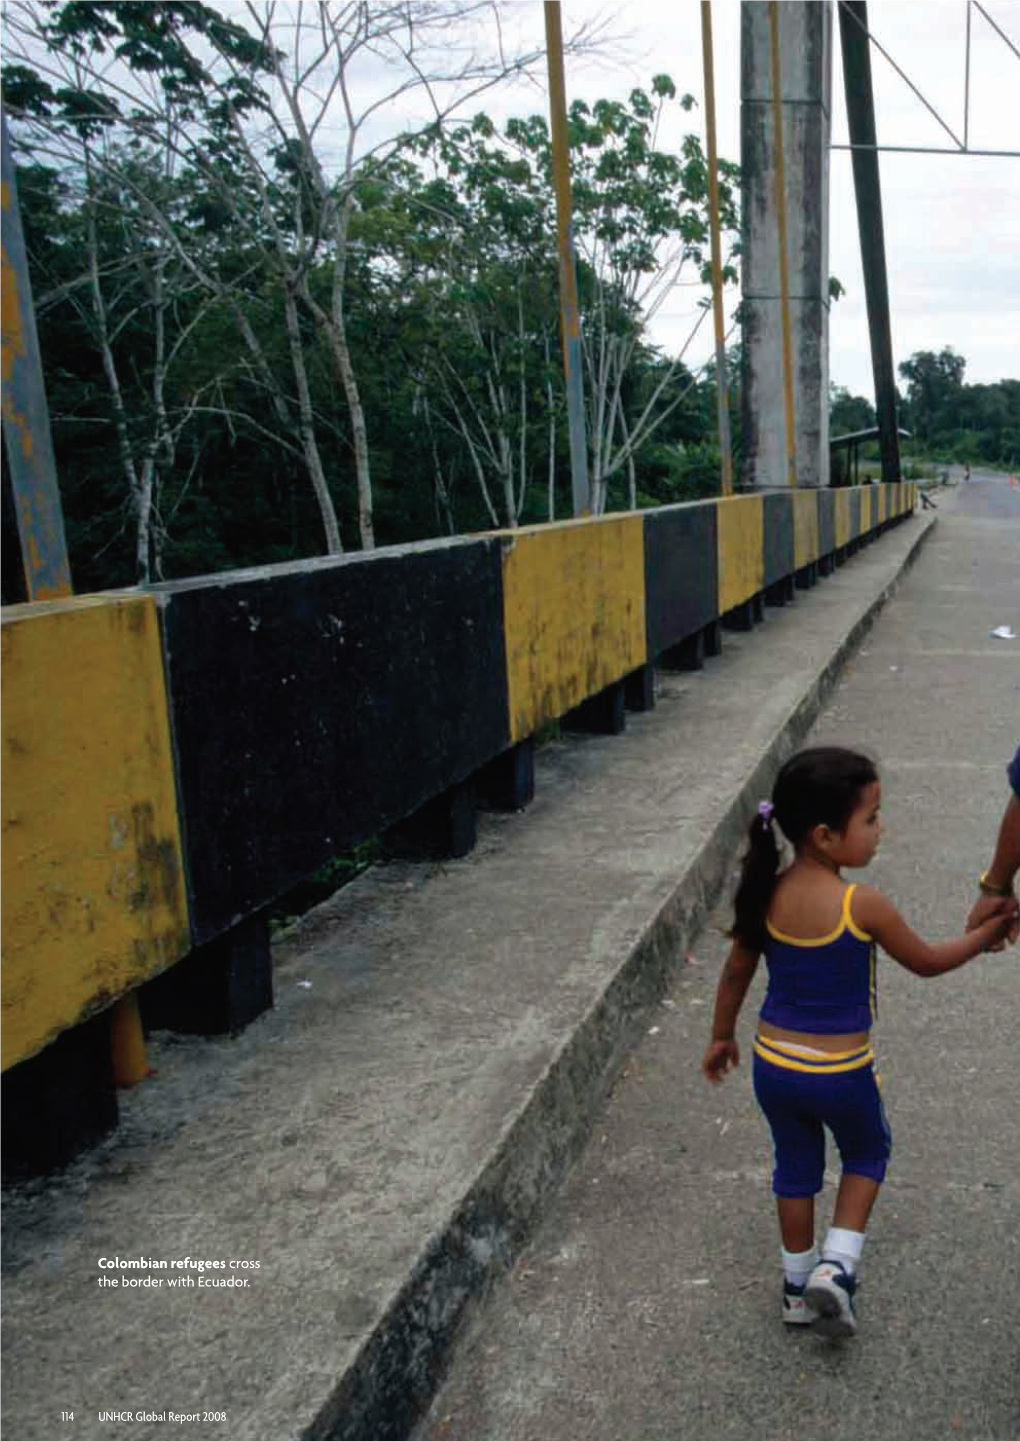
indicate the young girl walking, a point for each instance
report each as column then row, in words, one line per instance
column 813, row 1062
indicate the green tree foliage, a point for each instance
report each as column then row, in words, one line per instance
column 956, row 421
column 934, row 386
column 848, row 413
column 450, row 299
column 487, row 209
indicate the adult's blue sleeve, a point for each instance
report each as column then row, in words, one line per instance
column 1013, row 771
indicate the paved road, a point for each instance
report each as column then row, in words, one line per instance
column 989, row 496
column 378, row 1140
column 647, row 1306
column 383, row 1137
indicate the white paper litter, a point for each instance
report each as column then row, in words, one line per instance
column 1003, row 632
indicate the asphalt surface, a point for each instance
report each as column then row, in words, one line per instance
column 647, row 1305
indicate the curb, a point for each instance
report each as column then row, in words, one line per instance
column 396, row 1372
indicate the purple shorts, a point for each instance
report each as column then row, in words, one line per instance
column 802, row 1095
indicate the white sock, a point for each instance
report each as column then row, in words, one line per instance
column 798, row 1265
column 845, row 1247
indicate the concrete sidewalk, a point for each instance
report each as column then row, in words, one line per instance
column 648, row 1303
column 384, row 1141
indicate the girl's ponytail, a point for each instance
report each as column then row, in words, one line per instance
column 759, row 867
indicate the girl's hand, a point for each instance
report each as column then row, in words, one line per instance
column 989, row 908
column 719, row 1058
column 998, row 929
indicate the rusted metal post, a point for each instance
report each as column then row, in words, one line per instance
column 569, row 310
column 725, row 447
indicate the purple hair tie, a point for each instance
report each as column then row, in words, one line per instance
column 765, row 809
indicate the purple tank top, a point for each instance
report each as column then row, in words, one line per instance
column 825, row 985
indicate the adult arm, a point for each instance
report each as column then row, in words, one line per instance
column 997, row 882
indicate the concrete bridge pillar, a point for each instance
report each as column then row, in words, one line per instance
column 805, row 51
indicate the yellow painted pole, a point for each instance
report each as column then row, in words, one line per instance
column 784, row 279
column 725, row 447
column 127, row 1042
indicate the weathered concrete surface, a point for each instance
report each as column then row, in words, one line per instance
column 382, row 1142
column 647, row 1305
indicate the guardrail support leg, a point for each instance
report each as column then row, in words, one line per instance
column 444, row 828
column 218, row 988
column 713, row 638
column 639, row 689
column 741, row 617
column 688, row 654
column 604, row 714
column 59, row 1102
column 507, row 783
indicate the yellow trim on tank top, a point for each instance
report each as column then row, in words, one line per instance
column 846, row 923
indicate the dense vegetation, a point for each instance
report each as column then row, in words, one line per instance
column 257, row 347
column 948, row 420
column 267, row 334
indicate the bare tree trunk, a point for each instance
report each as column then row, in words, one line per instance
column 552, row 455
column 334, row 325
column 228, row 294
column 258, row 355
column 143, row 545
column 348, row 379
column 307, row 426
column 631, row 470
column 507, row 468
column 359, row 431
column 141, row 499
column 442, row 493
column 523, row 407
column 552, row 433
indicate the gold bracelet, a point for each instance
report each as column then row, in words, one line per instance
column 991, row 889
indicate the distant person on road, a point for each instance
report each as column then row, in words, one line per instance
column 966, row 474
column 813, row 1062
column 997, row 883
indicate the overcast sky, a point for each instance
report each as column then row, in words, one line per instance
column 952, row 222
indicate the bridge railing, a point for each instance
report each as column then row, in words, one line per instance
column 178, row 758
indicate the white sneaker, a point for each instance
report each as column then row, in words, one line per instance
column 796, row 1311
column 829, row 1295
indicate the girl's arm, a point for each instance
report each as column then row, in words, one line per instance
column 736, row 975
column 876, row 915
